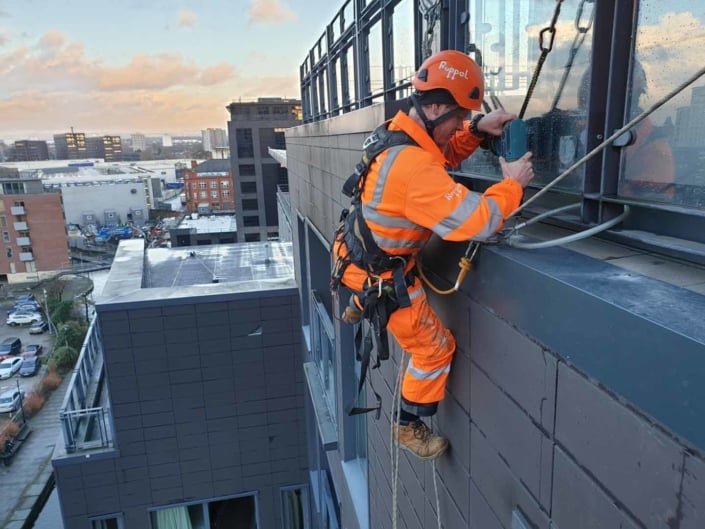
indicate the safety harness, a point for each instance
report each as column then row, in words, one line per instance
column 381, row 296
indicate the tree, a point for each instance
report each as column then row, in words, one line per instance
column 71, row 334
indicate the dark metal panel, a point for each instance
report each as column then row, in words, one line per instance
column 641, row 338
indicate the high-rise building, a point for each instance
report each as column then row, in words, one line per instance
column 31, row 150
column 139, row 142
column 167, row 141
column 70, row 145
column 107, row 147
column 253, row 128
column 214, row 138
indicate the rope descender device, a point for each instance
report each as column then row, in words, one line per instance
column 465, row 264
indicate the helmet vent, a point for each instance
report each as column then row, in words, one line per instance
column 475, row 94
column 422, row 75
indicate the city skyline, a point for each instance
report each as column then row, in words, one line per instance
column 156, row 68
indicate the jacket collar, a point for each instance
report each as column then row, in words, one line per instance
column 402, row 121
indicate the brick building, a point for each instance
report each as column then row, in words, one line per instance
column 208, row 187
column 33, row 230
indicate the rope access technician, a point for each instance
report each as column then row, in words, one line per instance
column 402, row 194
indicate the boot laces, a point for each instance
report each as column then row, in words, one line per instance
column 421, row 431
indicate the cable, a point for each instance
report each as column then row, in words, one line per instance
column 568, row 238
column 465, row 265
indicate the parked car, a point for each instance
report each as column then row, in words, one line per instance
column 11, row 346
column 25, row 307
column 33, row 349
column 38, row 328
column 10, row 366
column 25, row 297
column 30, row 366
column 11, row 400
column 23, row 318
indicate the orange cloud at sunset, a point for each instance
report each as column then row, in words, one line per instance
column 187, row 18
column 269, row 12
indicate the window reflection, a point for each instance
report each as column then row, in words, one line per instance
column 403, row 21
column 505, row 37
column 375, row 55
column 665, row 164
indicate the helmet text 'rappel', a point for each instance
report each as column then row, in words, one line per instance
column 451, row 72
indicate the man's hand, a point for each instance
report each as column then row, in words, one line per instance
column 493, row 122
column 520, row 170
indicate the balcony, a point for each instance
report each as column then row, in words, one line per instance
column 17, row 210
column 23, row 241
column 86, row 423
column 21, row 226
column 26, row 256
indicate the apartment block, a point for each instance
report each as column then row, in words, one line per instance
column 186, row 407
column 33, row 230
column 107, row 147
column 254, row 127
column 208, row 187
column 70, row 146
column 31, row 151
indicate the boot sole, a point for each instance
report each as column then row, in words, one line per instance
column 422, row 458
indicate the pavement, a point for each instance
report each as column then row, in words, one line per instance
column 23, row 483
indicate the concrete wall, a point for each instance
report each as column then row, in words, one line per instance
column 202, row 408
column 575, row 395
column 98, row 198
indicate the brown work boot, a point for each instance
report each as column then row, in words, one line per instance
column 419, row 439
column 351, row 315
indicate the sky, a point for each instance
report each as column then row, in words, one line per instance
column 148, row 66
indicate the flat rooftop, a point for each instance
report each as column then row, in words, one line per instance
column 210, row 224
column 220, row 263
column 153, row 275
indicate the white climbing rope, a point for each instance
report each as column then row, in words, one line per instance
column 394, row 449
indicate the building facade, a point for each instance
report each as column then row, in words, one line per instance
column 33, row 229
column 200, row 420
column 574, row 398
column 215, row 143
column 108, row 148
column 70, row 146
column 253, row 128
column 208, row 187
column 31, row 151
column 139, row 142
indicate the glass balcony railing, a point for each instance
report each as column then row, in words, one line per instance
column 85, row 424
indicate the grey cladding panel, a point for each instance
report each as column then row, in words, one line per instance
column 635, row 462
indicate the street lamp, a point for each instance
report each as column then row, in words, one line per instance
column 24, row 419
column 52, row 329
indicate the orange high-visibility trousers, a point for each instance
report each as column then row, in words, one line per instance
column 421, row 333
column 431, row 346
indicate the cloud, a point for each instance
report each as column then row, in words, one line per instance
column 187, row 19
column 269, row 12
column 4, row 37
column 161, row 72
column 55, row 64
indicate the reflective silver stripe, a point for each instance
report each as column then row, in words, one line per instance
column 378, row 191
column 388, row 221
column 418, row 374
column 397, row 243
column 465, row 209
column 493, row 223
column 416, row 293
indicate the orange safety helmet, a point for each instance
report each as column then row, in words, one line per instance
column 454, row 72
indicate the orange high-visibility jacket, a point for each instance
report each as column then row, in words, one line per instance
column 408, row 194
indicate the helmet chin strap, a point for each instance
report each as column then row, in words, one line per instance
column 431, row 124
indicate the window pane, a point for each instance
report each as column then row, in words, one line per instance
column 666, row 162
column 375, row 55
column 506, row 34
column 295, row 507
column 403, row 27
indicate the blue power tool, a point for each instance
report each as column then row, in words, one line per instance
column 514, row 141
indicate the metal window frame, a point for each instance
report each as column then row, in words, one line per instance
column 616, row 23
